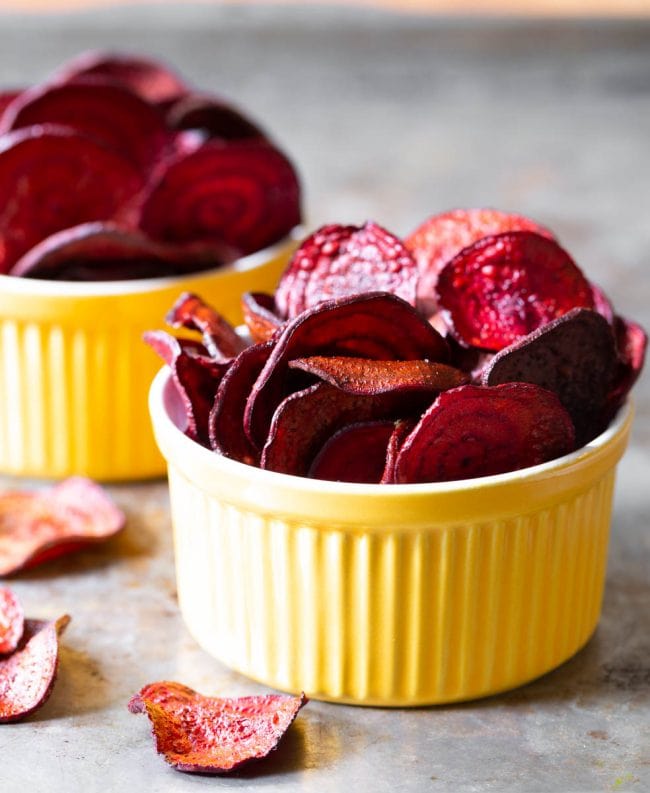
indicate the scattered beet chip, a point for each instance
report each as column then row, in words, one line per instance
column 27, row 675
column 355, row 453
column 260, row 315
column 244, row 193
column 337, row 261
column 212, row 735
column 505, row 286
column 631, row 345
column 375, row 325
column 213, row 116
column 401, row 430
column 105, row 112
column 365, row 376
column 38, row 526
column 55, row 179
column 306, row 419
column 219, row 337
column 226, row 427
column 573, row 356
column 196, row 376
column 12, row 621
column 475, row 431
column 147, row 78
column 441, row 237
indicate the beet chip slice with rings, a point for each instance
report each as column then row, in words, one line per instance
column 213, row 735
column 375, row 325
column 260, row 315
column 475, row 431
column 57, row 179
column 573, row 356
column 27, row 676
column 36, row 526
column 441, row 237
column 12, row 621
column 220, row 338
column 226, row 428
column 364, row 376
column 336, row 261
column 356, row 453
column 505, row 286
column 215, row 117
column 105, row 112
column 243, row 193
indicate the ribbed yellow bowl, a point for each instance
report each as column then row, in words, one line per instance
column 75, row 373
column 389, row 594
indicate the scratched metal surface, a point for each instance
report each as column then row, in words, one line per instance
column 390, row 118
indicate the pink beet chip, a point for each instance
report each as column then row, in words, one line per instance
column 38, row 526
column 214, row 735
column 28, row 674
column 12, row 621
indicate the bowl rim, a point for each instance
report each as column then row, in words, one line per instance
column 170, row 436
column 43, row 287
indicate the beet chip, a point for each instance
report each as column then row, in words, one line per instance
column 441, row 237
column 12, row 621
column 364, row 376
column 336, row 261
column 475, row 431
column 375, row 325
column 58, row 179
column 215, row 117
column 213, row 735
column 356, row 453
column 574, row 357
column 105, row 112
column 402, row 429
column 631, row 344
column 503, row 287
column 260, row 315
column 41, row 525
column 6, row 98
column 27, row 675
column 219, row 337
column 244, row 194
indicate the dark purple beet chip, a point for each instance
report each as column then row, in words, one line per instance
column 215, row 117
column 475, row 431
column 502, row 288
column 401, row 430
column 12, row 621
column 227, row 434
column 374, row 325
column 242, row 193
column 356, row 453
column 220, row 338
column 573, row 356
column 260, row 315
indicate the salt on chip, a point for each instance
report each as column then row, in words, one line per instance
column 12, row 621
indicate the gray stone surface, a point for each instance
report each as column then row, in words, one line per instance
column 392, row 118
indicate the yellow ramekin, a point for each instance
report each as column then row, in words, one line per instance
column 75, row 373
column 389, row 595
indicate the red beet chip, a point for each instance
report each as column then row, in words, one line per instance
column 27, row 675
column 226, row 424
column 337, row 261
column 215, row 117
column 573, row 356
column 441, row 237
column 12, row 621
column 505, row 286
column 364, row 376
column 219, row 337
column 401, row 430
column 104, row 251
column 105, row 112
column 36, row 526
column 602, row 304
column 196, row 376
column 213, row 735
column 475, row 431
column 355, row 453
column 146, row 77
column 260, row 315
column 244, row 193
column 631, row 345
column 6, row 98
column 374, row 325
column 57, row 179
column 306, row 419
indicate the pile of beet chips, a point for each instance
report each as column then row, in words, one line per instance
column 115, row 168
column 474, row 347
